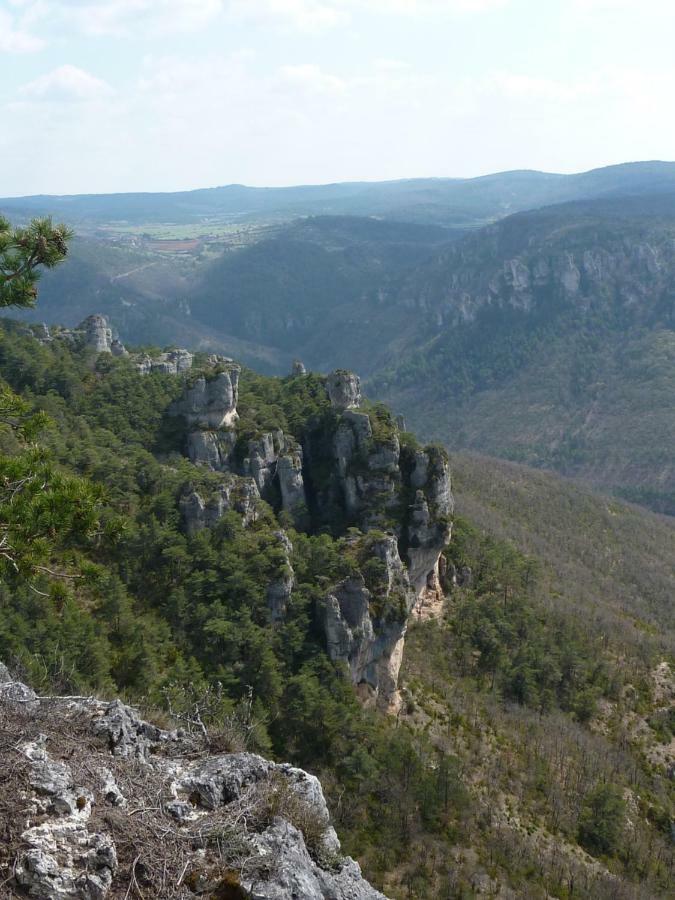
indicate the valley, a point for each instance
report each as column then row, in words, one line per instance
column 445, row 589
column 545, row 337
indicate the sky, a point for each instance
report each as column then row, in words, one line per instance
column 162, row 95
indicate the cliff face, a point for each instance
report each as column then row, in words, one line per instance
column 351, row 467
column 101, row 800
column 572, row 258
column 365, row 624
column 548, row 339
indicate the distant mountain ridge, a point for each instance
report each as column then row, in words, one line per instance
column 449, row 201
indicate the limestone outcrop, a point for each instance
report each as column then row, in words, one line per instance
column 94, row 333
column 211, row 449
column 211, row 402
column 272, row 460
column 367, row 468
column 97, row 334
column 344, row 389
column 292, row 484
column 201, row 510
column 105, row 800
column 428, row 528
column 365, row 625
column 276, row 459
column 280, row 588
column 171, row 362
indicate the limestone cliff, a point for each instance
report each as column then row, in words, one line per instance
column 97, row 801
column 273, row 460
column 352, row 467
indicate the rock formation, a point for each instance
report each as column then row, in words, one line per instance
column 280, row 589
column 209, row 408
column 211, row 403
column 94, row 333
column 365, row 627
column 117, row 348
column 97, row 333
column 238, row 494
column 291, row 484
column 398, row 496
column 211, row 448
column 103, row 800
column 171, row 362
column 344, row 389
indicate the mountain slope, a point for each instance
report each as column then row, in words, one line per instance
column 546, row 337
column 549, row 338
column 607, row 559
column 145, row 294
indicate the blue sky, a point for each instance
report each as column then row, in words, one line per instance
column 121, row 95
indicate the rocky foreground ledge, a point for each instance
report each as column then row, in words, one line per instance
column 96, row 803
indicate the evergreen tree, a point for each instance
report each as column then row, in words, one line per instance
column 23, row 251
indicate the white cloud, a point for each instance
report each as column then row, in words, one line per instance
column 131, row 16
column 15, row 37
column 189, row 120
column 604, row 5
column 66, row 84
column 531, row 88
column 422, row 7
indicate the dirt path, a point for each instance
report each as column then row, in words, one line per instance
column 132, row 271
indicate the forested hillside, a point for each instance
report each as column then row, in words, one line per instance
column 228, row 526
column 549, row 339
